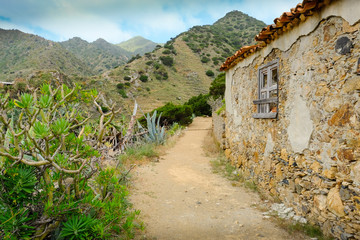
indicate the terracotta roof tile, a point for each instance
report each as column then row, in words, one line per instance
column 281, row 24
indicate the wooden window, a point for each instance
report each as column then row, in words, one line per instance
column 267, row 103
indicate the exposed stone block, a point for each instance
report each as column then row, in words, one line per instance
column 355, row 173
column 334, row 203
column 343, row 45
column 320, row 202
column 351, row 84
column 330, row 173
column 346, row 154
column 341, row 116
column 316, row 167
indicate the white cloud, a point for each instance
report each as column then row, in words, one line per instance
column 10, row 25
column 118, row 20
column 87, row 27
column 267, row 11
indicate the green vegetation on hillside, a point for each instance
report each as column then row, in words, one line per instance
column 98, row 55
column 190, row 60
column 21, row 54
column 214, row 43
column 183, row 67
column 217, row 88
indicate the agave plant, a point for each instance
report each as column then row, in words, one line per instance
column 155, row 133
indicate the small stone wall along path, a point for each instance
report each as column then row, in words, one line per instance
column 180, row 198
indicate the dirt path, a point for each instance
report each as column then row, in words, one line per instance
column 180, row 198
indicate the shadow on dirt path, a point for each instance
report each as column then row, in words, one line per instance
column 180, row 198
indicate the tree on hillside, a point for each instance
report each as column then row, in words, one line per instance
column 217, row 88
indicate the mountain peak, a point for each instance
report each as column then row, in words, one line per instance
column 237, row 16
column 138, row 45
column 100, row 40
column 77, row 40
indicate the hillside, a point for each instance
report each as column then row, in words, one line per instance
column 22, row 53
column 184, row 66
column 138, row 45
column 214, row 43
column 99, row 55
column 181, row 68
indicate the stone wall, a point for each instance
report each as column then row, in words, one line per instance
column 309, row 158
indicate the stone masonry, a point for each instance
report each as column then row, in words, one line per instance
column 309, row 157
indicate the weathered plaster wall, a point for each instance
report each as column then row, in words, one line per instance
column 310, row 156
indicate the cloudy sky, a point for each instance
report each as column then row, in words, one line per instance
column 119, row 20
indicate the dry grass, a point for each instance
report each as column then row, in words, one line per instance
column 210, row 146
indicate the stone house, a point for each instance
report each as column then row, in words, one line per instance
column 293, row 113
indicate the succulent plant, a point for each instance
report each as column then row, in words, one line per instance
column 155, row 133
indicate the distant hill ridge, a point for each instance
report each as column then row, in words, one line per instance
column 183, row 67
column 99, row 55
column 138, row 45
column 22, row 53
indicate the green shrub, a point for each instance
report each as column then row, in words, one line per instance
column 205, row 59
column 169, row 45
column 149, row 63
column 127, row 84
column 171, row 113
column 186, row 39
column 161, row 73
column 174, row 129
column 167, row 60
column 46, row 166
column 199, row 105
column 120, row 86
column 122, row 92
column 158, row 76
column 157, row 65
column 20, row 87
column 210, row 73
column 16, row 191
column 78, row 227
column 217, row 87
column 166, row 51
column 134, row 58
column 143, row 78
column 127, row 78
column 165, row 76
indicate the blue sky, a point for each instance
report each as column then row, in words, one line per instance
column 119, row 20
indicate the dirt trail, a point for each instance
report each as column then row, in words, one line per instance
column 180, row 198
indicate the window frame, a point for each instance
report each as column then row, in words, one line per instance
column 264, row 92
